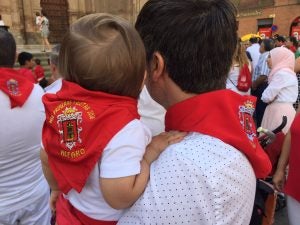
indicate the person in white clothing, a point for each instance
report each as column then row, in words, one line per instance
column 209, row 177
column 239, row 60
column 282, row 90
column 24, row 192
column 38, row 21
column 253, row 50
column 96, row 152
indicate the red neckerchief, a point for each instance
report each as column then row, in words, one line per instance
column 16, row 87
column 27, row 73
column 225, row 115
column 79, row 124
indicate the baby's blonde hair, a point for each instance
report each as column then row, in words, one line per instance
column 102, row 52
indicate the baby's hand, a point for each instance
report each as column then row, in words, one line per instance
column 160, row 142
column 163, row 140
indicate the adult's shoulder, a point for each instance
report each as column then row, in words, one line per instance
column 34, row 100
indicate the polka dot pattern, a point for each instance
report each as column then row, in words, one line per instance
column 200, row 180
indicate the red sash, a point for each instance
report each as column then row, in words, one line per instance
column 225, row 115
column 79, row 124
column 66, row 214
column 16, row 87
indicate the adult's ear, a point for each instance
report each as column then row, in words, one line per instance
column 157, row 67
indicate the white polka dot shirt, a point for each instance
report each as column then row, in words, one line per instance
column 200, row 180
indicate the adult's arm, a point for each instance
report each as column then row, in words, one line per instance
column 279, row 176
column 50, row 179
column 275, row 86
column 297, row 65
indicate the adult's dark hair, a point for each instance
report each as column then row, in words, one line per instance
column 37, row 61
column 43, row 13
column 280, row 38
column 253, row 40
column 7, row 49
column 23, row 57
column 186, row 34
column 269, row 44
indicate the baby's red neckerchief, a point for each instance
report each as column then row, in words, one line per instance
column 225, row 115
column 79, row 124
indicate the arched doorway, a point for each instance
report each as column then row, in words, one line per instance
column 57, row 13
column 295, row 28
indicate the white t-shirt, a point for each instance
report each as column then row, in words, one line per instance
column 21, row 178
column 200, row 181
column 282, row 88
column 254, row 52
column 54, row 87
column 120, row 158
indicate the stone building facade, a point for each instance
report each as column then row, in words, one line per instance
column 267, row 16
column 19, row 15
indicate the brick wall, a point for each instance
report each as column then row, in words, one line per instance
column 283, row 16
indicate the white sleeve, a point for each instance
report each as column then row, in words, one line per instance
column 122, row 155
column 273, row 89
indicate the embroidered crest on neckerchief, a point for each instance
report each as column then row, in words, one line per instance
column 13, row 87
column 69, row 124
column 245, row 114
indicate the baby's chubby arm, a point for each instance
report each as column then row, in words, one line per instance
column 122, row 192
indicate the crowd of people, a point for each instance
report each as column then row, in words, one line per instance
column 275, row 65
column 146, row 124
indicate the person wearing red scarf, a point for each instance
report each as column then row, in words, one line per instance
column 210, row 176
column 27, row 63
column 94, row 154
column 23, row 189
